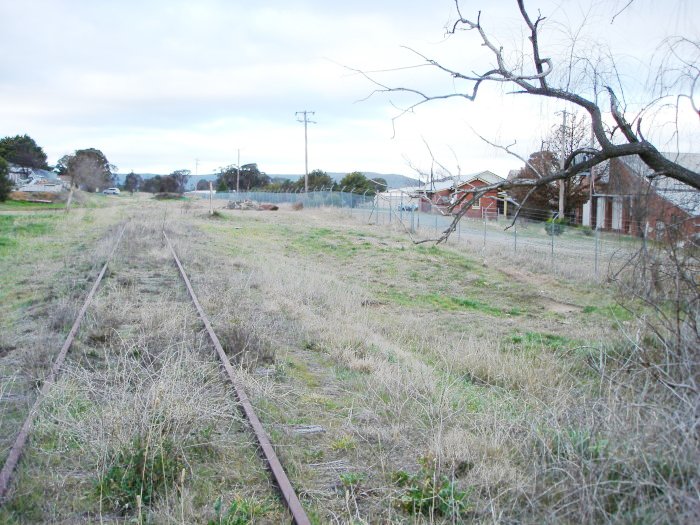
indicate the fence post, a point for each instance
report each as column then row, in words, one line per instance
column 597, row 237
column 551, row 234
column 515, row 237
column 483, row 218
column 376, row 208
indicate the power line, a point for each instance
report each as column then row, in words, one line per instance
column 306, row 121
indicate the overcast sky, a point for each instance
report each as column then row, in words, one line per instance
column 157, row 84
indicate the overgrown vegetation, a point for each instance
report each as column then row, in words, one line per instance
column 241, row 511
column 522, row 407
column 430, row 493
column 138, row 473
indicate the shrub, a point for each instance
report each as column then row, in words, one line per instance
column 140, row 470
column 555, row 226
column 5, row 184
column 586, row 230
column 241, row 511
column 427, row 492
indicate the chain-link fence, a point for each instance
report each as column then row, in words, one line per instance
column 567, row 249
column 312, row 199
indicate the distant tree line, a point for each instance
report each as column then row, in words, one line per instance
column 90, row 170
column 251, row 178
column 176, row 182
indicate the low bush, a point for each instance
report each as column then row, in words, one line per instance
column 140, row 471
column 555, row 226
column 241, row 511
column 428, row 492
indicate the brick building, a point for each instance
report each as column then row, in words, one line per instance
column 446, row 192
column 630, row 200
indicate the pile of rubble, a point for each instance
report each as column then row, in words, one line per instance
column 250, row 205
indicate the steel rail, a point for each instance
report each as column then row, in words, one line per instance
column 283, row 483
column 21, row 439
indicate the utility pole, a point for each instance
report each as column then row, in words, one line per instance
column 196, row 167
column 238, row 172
column 306, row 121
column 562, row 159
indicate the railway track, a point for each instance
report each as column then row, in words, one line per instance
column 262, row 440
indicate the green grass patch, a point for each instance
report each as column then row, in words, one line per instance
column 15, row 228
column 448, row 257
column 25, row 205
column 611, row 310
column 26, row 225
column 240, row 511
column 532, row 343
column 141, row 470
column 330, row 242
column 448, row 302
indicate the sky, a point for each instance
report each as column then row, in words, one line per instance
column 161, row 85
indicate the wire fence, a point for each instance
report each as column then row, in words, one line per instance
column 568, row 249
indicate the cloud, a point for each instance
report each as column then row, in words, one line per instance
column 157, row 84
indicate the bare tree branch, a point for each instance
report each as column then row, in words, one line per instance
column 537, row 83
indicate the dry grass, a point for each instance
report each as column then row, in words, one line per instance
column 379, row 369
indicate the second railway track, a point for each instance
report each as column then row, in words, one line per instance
column 142, row 413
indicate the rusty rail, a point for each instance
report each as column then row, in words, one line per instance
column 283, row 483
column 21, row 439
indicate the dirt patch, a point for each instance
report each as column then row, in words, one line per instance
column 6, row 349
column 525, row 277
column 559, row 307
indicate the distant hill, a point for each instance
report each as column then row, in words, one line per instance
column 392, row 179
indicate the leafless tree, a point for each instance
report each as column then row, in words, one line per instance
column 587, row 82
column 88, row 169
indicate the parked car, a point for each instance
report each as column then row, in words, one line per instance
column 111, row 191
column 408, row 206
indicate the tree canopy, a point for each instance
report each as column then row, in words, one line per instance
column 176, row 182
column 180, row 179
column 202, row 185
column 88, row 169
column 5, row 184
column 317, row 179
column 357, row 182
column 281, row 184
column 250, row 177
column 23, row 151
column 133, row 182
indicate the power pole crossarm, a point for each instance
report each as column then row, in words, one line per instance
column 306, row 121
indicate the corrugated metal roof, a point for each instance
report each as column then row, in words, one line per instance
column 487, row 176
column 33, row 173
column 685, row 197
column 453, row 182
